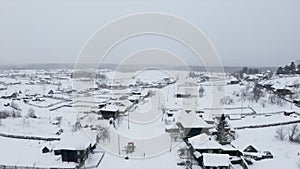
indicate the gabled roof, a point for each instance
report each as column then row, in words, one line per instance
column 192, row 121
column 74, row 141
column 203, row 141
column 250, row 149
column 111, row 108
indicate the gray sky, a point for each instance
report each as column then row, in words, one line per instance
column 244, row 32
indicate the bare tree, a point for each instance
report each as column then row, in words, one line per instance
column 243, row 94
column 227, row 100
column 257, row 93
column 15, row 113
column 294, row 133
column 31, row 113
column 263, row 102
column 201, row 91
column 103, row 134
column 25, row 123
column 280, row 133
column 182, row 152
column 14, row 105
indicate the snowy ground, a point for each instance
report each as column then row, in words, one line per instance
column 144, row 124
column 285, row 153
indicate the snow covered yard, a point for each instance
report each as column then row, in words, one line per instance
column 286, row 154
column 28, row 127
column 263, row 119
column 28, row 153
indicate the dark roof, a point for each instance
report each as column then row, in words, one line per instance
column 251, row 149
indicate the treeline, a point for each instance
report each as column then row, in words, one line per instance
column 247, row 70
column 292, row 68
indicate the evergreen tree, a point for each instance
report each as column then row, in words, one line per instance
column 279, row 71
column 245, row 70
column 223, row 130
column 287, row 69
column 293, row 68
column 298, row 69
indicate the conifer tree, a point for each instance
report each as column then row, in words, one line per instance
column 223, row 130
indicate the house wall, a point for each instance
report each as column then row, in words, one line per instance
column 77, row 156
column 190, row 132
column 108, row 114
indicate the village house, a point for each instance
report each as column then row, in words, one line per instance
column 283, row 92
column 205, row 144
column 233, row 80
column 134, row 99
column 74, row 147
column 122, row 105
column 252, row 151
column 109, row 111
column 190, row 125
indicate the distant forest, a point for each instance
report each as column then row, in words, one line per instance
column 292, row 68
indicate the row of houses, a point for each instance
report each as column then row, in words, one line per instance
column 113, row 108
column 198, row 134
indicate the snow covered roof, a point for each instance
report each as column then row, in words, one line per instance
column 235, row 116
column 233, row 79
column 207, row 116
column 203, row 141
column 173, row 105
column 133, row 97
column 215, row 160
column 197, row 154
column 111, row 108
column 74, row 141
column 240, row 145
column 190, row 121
column 228, row 147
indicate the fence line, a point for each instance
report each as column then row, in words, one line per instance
column 267, row 125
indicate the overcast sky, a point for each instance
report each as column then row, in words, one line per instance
column 244, row 32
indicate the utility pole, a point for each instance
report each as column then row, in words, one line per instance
column 119, row 144
column 170, row 143
column 242, row 107
column 128, row 119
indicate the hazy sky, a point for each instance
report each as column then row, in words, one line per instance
column 244, row 32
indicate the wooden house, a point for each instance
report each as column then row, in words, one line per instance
column 192, row 125
column 74, row 147
column 109, row 111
